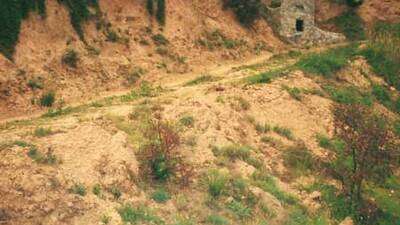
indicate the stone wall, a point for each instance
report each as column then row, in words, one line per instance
column 295, row 14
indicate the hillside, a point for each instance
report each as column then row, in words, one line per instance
column 202, row 115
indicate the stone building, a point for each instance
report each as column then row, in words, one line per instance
column 295, row 22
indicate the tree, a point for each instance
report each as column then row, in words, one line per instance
column 369, row 153
column 160, row 15
column 150, row 7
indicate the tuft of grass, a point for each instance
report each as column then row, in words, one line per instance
column 331, row 144
column 266, row 182
column 396, row 127
column 216, row 183
column 283, row 131
column 382, row 95
column 48, row 99
column 138, row 215
column 294, row 92
column 187, row 121
column 242, row 103
column 49, row 158
column 201, row 79
column 116, row 192
column 42, row 132
column 327, row 63
column 233, row 152
column 217, row 220
column 240, row 210
column 105, row 219
column 262, row 128
column 160, row 196
column 78, row 189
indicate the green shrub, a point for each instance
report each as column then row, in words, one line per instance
column 216, row 183
column 234, row 152
column 35, row 84
column 70, row 58
column 187, row 121
column 331, row 144
column 354, row 3
column 97, row 190
column 160, row 39
column 150, row 7
column 382, row 95
column 266, row 77
column 138, row 215
column 397, row 127
column 327, row 63
column 42, row 132
column 78, row 189
column 161, row 14
column 217, row 220
column 351, row 24
column 246, row 11
column 294, row 92
column 48, row 99
column 160, row 196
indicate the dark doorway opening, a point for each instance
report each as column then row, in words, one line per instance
column 299, row 25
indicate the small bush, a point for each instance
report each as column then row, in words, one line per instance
column 47, row 99
column 216, row 183
column 78, row 189
column 187, row 121
column 160, row 196
column 70, row 58
column 34, row 84
column 97, row 190
column 283, row 131
column 49, row 158
column 354, row 3
column 160, row 39
column 161, row 12
column 42, row 132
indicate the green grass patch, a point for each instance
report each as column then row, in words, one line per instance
column 187, row 121
column 299, row 160
column 217, row 220
column 42, row 132
column 266, row 77
column 160, row 196
column 283, row 131
column 201, row 79
column 349, row 95
column 327, row 63
column 78, row 189
column 216, row 183
column 138, row 215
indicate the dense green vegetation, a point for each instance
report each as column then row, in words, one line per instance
column 160, row 10
column 11, row 15
column 79, row 13
column 246, row 11
column 351, row 25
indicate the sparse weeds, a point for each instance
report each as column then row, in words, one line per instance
column 115, row 191
column 240, row 210
column 105, row 219
column 140, row 214
column 267, row 77
column 262, row 128
column 49, row 158
column 217, row 220
column 97, row 190
column 349, row 95
column 233, row 152
column 240, row 103
column 294, row 92
column 160, row 39
column 299, row 159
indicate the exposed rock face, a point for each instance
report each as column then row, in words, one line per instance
column 297, row 24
